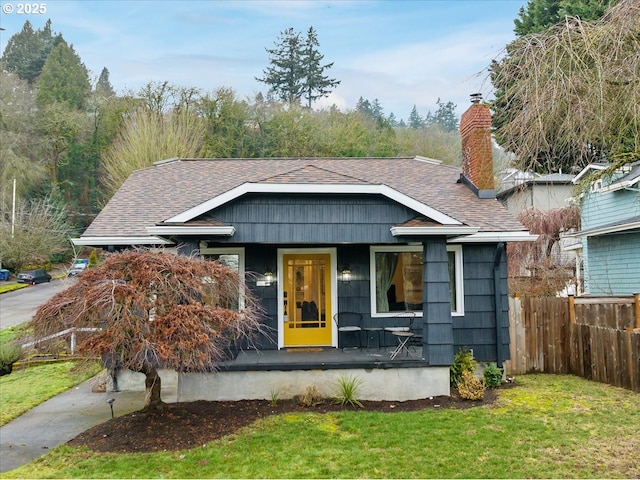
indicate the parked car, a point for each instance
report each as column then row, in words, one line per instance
column 79, row 266
column 77, row 269
column 34, row 276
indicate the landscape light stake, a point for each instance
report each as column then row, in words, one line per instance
column 110, row 402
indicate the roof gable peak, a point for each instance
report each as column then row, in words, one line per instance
column 311, row 173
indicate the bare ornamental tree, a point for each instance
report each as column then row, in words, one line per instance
column 154, row 311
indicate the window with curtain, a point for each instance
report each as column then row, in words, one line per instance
column 397, row 279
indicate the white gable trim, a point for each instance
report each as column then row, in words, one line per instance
column 492, row 237
column 224, row 231
column 245, row 188
column 96, row 241
column 428, row 231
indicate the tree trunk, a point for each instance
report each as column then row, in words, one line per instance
column 152, row 386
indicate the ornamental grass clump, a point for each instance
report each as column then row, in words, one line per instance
column 349, row 387
column 311, row 397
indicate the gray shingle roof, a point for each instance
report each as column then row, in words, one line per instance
column 155, row 194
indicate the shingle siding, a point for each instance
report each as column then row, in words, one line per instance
column 443, row 335
column 477, row 328
column 437, row 335
column 312, row 219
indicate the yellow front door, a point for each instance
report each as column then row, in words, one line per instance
column 307, row 299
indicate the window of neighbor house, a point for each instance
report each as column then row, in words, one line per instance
column 396, row 273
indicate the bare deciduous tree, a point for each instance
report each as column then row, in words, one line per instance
column 155, row 310
column 570, row 93
column 547, row 274
column 147, row 137
column 39, row 229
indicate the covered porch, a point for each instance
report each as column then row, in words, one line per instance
column 326, row 358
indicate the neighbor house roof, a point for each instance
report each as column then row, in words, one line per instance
column 510, row 186
column 178, row 191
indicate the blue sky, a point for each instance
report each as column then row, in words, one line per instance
column 402, row 53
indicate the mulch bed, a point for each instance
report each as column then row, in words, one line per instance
column 179, row 426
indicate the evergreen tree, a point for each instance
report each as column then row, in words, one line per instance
column 285, row 74
column 364, row 106
column 316, row 84
column 415, row 120
column 372, row 110
column 295, row 70
column 445, row 116
column 376, row 109
column 27, row 51
column 539, row 15
column 64, row 79
column 103, row 85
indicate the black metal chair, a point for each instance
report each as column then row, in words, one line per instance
column 349, row 323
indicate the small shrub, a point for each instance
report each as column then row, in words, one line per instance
column 462, row 362
column 471, row 387
column 492, row 376
column 93, row 259
column 311, row 397
column 9, row 354
column 59, row 257
column 349, row 388
column 275, row 397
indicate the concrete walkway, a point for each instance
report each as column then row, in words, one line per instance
column 60, row 419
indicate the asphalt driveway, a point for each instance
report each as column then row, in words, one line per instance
column 20, row 305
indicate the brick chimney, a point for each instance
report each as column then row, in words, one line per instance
column 477, row 156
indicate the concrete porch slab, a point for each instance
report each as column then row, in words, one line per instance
column 263, row 375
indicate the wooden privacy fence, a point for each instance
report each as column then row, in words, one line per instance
column 595, row 338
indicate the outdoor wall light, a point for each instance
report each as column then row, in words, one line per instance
column 346, row 275
column 268, row 277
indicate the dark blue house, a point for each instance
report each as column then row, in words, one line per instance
column 318, row 236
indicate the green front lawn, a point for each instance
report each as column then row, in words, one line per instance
column 30, row 385
column 10, row 287
column 547, row 427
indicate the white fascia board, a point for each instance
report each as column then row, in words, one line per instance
column 492, row 237
column 245, row 188
column 91, row 241
column 594, row 232
column 587, row 170
column 572, row 247
column 225, row 231
column 432, row 231
column 614, row 187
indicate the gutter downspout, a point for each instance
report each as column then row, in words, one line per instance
column 496, row 298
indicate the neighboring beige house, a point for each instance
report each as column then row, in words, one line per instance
column 521, row 190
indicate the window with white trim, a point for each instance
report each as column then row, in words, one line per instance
column 396, row 279
column 234, row 259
